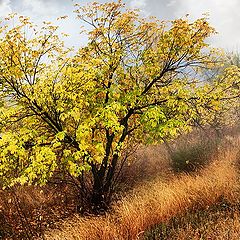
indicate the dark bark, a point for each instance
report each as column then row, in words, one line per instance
column 99, row 201
column 103, row 178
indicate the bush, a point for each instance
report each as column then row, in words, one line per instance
column 189, row 156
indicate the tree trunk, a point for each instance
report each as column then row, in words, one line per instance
column 102, row 186
column 97, row 198
column 98, row 201
column 99, row 195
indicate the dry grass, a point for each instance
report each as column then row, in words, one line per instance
column 147, row 163
column 220, row 222
column 26, row 211
column 157, row 202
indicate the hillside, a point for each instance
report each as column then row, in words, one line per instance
column 197, row 206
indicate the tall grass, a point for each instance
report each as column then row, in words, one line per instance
column 219, row 222
column 157, row 202
column 26, row 211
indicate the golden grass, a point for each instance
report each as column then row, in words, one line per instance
column 26, row 210
column 221, row 221
column 156, row 202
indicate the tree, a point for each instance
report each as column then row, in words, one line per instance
column 136, row 80
column 227, row 113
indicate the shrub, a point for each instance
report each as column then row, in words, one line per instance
column 190, row 156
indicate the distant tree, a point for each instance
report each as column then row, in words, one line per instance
column 136, row 80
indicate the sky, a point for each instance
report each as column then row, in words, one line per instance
column 223, row 15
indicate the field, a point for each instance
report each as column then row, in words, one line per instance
column 154, row 200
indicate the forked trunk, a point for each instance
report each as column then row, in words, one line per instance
column 102, row 186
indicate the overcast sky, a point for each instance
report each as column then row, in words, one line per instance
column 224, row 15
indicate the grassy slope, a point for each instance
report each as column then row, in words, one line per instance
column 219, row 222
column 158, row 202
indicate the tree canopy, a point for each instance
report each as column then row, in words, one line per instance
column 136, row 80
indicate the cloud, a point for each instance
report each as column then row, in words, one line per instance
column 138, row 4
column 50, row 10
column 223, row 15
column 40, row 8
column 141, row 5
column 171, row 3
column 5, row 8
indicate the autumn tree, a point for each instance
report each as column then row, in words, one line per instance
column 225, row 114
column 136, row 80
